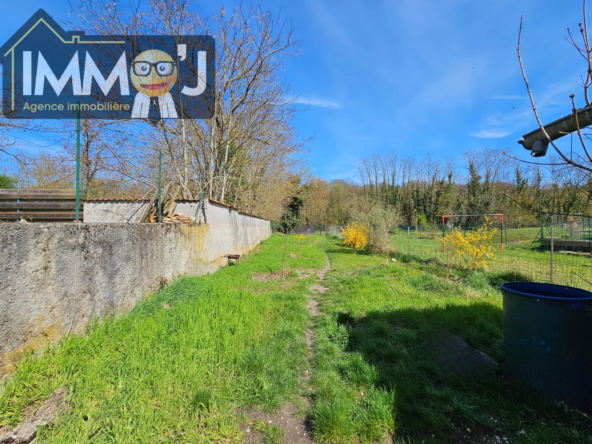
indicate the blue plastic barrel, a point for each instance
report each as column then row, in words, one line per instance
column 548, row 340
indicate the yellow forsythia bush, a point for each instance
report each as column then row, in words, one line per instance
column 474, row 247
column 356, row 235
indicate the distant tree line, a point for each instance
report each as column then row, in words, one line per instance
column 421, row 191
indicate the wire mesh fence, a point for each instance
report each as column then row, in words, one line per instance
column 559, row 251
column 523, row 256
column 335, row 230
column 571, row 231
column 308, row 230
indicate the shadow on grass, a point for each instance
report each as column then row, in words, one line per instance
column 342, row 249
column 398, row 350
column 478, row 279
column 497, row 278
column 425, row 260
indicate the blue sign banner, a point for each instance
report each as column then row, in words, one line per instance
column 48, row 73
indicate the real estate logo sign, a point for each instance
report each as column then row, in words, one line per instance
column 51, row 74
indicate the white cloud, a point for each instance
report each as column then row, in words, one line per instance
column 317, row 102
column 494, row 134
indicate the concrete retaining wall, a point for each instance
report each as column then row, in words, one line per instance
column 43, row 270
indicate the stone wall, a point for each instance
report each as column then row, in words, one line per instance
column 52, row 275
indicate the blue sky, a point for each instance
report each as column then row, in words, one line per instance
column 412, row 76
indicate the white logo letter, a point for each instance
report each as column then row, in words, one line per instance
column 201, row 76
column 27, row 81
column 119, row 71
column 45, row 72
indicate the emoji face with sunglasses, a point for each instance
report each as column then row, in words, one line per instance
column 153, row 73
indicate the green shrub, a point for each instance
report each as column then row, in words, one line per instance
column 6, row 182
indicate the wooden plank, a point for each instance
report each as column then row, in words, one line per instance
column 154, row 201
column 37, row 190
column 32, row 205
column 37, row 194
column 38, row 216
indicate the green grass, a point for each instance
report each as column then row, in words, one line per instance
column 374, row 376
column 226, row 342
column 517, row 235
column 186, row 364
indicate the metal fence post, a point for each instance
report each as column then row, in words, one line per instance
column 78, row 163
column 408, row 241
column 552, row 242
column 159, row 185
column 200, row 201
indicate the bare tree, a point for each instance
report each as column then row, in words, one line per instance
column 251, row 133
column 578, row 160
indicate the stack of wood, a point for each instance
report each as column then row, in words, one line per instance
column 178, row 218
column 168, row 205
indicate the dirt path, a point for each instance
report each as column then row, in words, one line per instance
column 294, row 422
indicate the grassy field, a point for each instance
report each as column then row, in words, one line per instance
column 186, row 363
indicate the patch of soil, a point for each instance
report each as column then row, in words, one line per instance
column 267, row 277
column 27, row 431
column 321, row 274
column 303, row 274
column 296, row 429
column 309, row 341
column 312, row 307
column 318, row 288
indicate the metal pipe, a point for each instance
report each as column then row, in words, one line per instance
column 78, row 162
column 556, row 129
column 408, row 241
column 200, row 201
column 552, row 242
